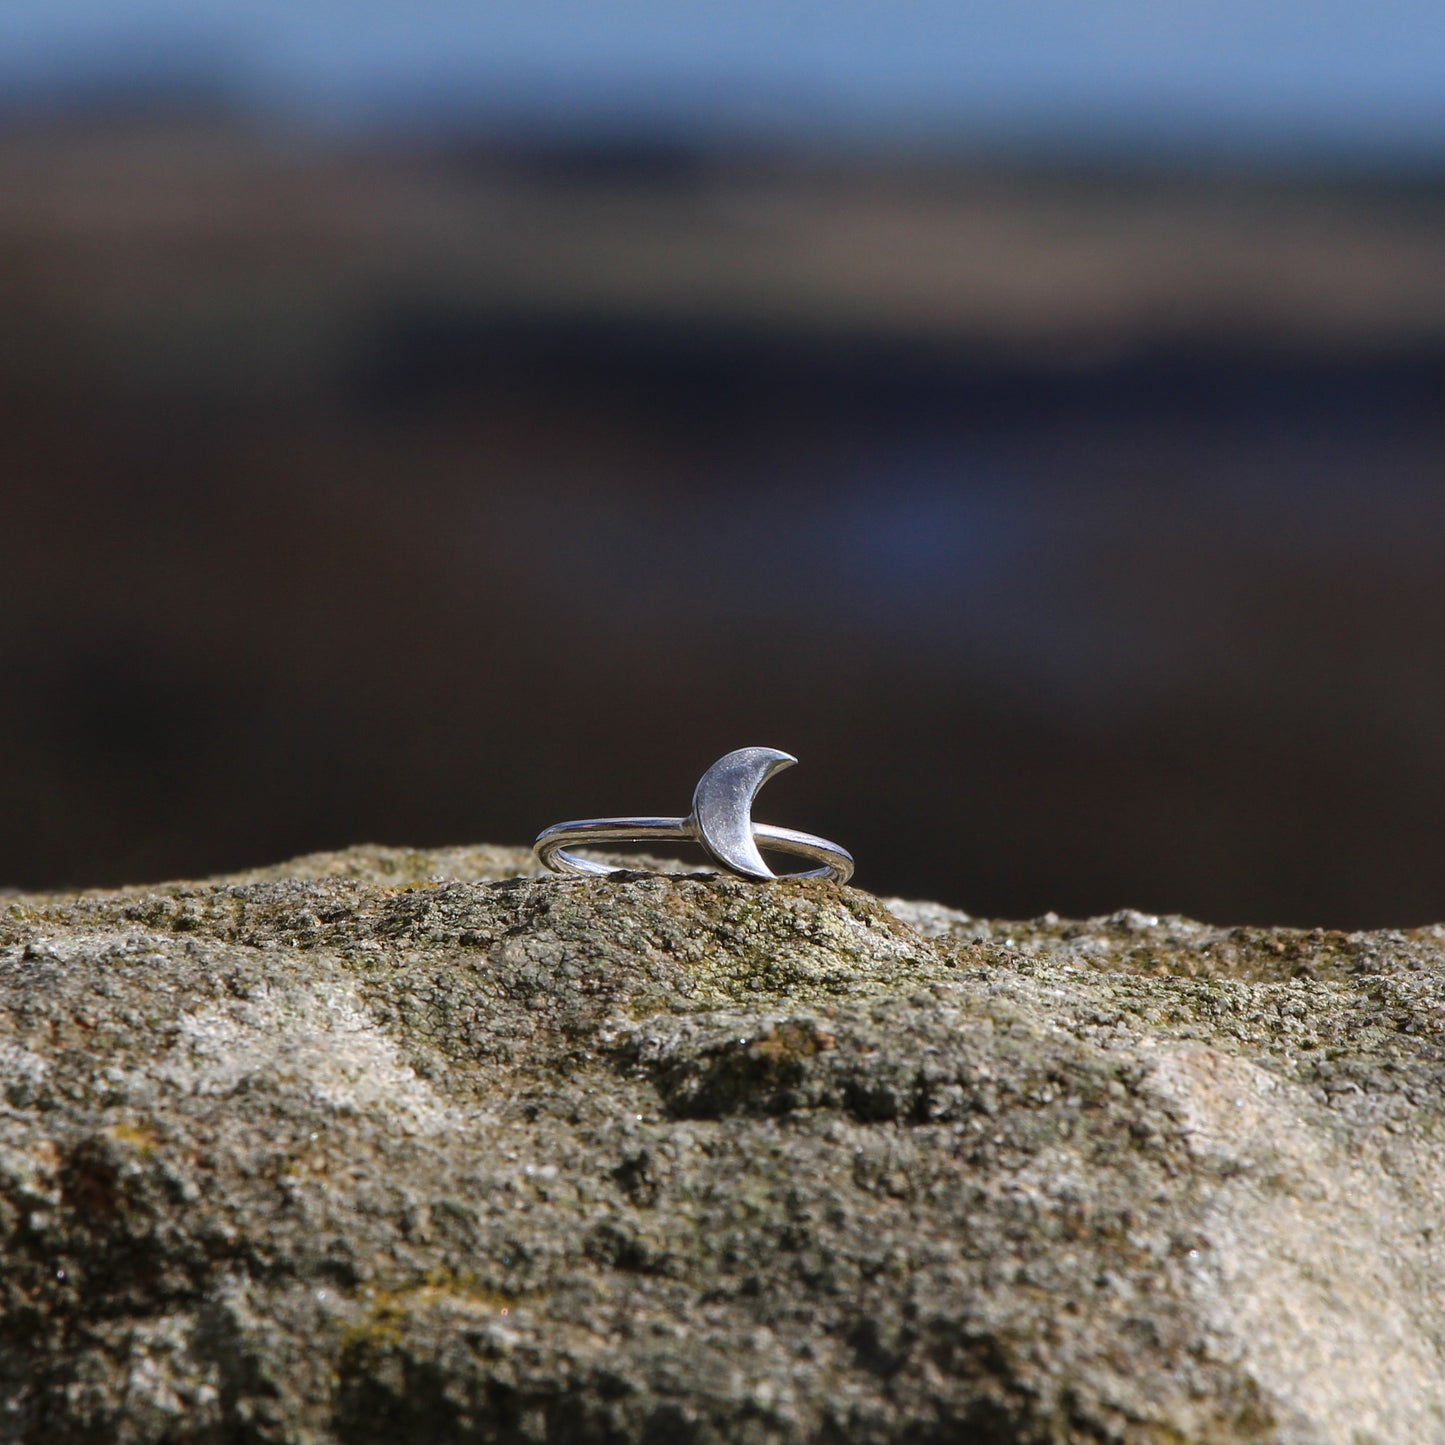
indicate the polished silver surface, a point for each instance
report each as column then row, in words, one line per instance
column 721, row 821
column 722, row 807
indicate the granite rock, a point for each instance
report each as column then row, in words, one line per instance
column 388, row 1147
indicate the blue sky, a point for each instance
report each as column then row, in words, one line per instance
column 1267, row 76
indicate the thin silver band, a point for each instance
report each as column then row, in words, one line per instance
column 553, row 843
column 720, row 822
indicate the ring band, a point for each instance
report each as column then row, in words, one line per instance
column 553, row 843
column 720, row 821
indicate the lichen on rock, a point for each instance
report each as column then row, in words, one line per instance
column 394, row 1146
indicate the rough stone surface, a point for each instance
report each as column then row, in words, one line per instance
column 393, row 1147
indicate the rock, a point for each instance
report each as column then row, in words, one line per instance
column 393, row 1147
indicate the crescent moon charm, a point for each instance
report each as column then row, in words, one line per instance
column 722, row 807
column 721, row 821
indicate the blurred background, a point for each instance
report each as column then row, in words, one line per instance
column 420, row 424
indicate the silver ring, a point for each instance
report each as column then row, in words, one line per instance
column 721, row 821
